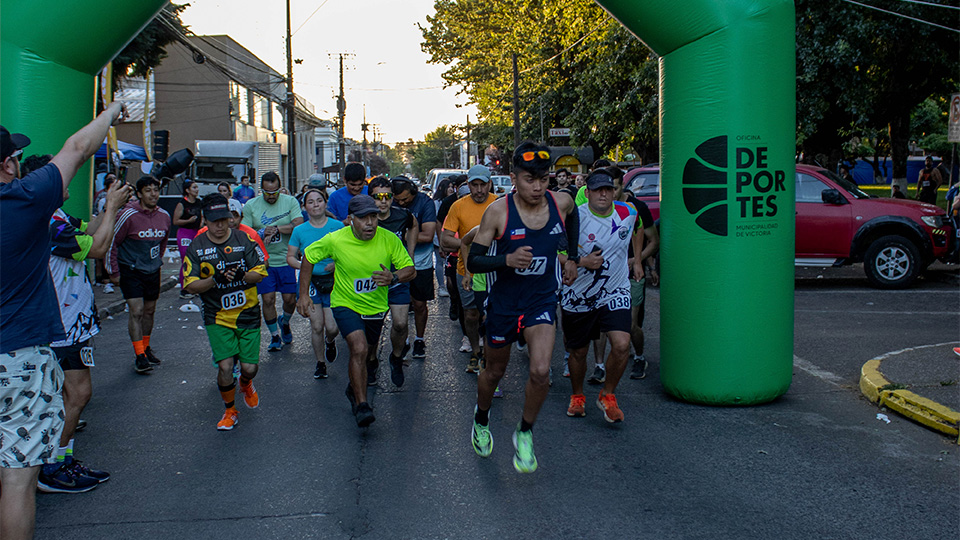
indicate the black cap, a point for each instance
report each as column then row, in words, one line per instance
column 215, row 207
column 11, row 142
column 362, row 205
column 599, row 179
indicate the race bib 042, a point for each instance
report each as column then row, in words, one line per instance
column 361, row 286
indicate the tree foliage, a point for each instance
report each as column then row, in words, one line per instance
column 860, row 73
column 434, row 151
column 148, row 49
column 863, row 72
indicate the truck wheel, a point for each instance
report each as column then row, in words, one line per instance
column 891, row 262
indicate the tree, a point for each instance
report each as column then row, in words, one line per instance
column 434, row 151
column 148, row 49
column 863, row 70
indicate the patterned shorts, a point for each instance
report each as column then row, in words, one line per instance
column 31, row 407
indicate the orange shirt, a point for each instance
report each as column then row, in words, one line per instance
column 464, row 215
column 251, row 233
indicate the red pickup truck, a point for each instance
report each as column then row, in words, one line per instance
column 837, row 224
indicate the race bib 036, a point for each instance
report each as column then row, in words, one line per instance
column 233, row 300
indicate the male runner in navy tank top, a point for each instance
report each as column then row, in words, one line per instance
column 518, row 243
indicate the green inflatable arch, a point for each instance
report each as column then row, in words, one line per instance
column 727, row 116
column 50, row 53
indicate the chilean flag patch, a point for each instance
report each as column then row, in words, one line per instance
column 518, row 234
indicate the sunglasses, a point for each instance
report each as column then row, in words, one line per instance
column 382, row 196
column 16, row 154
column 274, row 192
column 530, row 156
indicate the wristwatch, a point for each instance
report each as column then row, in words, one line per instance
column 576, row 260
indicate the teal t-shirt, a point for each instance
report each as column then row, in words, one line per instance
column 257, row 214
column 306, row 234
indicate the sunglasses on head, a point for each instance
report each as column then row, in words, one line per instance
column 530, row 156
column 386, row 196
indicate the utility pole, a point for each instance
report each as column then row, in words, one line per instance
column 291, row 116
column 363, row 127
column 516, row 103
column 341, row 112
column 467, row 166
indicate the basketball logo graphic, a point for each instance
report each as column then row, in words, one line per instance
column 705, row 186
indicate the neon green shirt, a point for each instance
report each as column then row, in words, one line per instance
column 355, row 262
column 581, row 196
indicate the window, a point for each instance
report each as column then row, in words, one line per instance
column 809, row 189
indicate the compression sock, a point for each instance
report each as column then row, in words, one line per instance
column 285, row 318
column 245, row 381
column 482, row 417
column 146, row 342
column 227, row 393
column 524, row 425
column 139, row 347
column 68, row 453
column 272, row 327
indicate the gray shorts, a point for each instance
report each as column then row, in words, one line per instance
column 31, row 407
column 467, row 299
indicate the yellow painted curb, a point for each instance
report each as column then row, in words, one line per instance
column 922, row 410
column 871, row 380
column 915, row 407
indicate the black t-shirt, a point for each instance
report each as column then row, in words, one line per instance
column 399, row 222
column 191, row 209
column 444, row 210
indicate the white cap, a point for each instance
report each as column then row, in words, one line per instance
column 235, row 206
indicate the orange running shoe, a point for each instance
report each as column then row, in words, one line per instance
column 229, row 420
column 577, row 403
column 250, row 396
column 608, row 404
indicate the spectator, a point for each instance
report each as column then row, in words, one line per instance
column 897, row 194
column 354, row 184
column 223, row 188
column 244, row 191
column 30, row 314
column 928, row 183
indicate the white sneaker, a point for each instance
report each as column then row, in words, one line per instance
column 442, row 293
column 108, row 288
column 465, row 345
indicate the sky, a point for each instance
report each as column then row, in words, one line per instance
column 388, row 73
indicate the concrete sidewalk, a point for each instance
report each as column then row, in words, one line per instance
column 921, row 383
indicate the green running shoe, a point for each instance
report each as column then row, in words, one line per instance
column 524, row 461
column 481, row 438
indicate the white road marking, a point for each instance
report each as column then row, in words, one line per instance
column 870, row 312
column 884, row 356
column 816, row 371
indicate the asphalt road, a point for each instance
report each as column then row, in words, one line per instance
column 816, row 463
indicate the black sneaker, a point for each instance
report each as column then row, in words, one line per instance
column 396, row 371
column 352, row 399
column 331, row 352
column 79, row 469
column 63, row 480
column 598, row 377
column 454, row 312
column 639, row 370
column 419, row 349
column 81, row 425
column 372, row 368
column 141, row 364
column 364, row 415
column 321, row 371
column 151, row 357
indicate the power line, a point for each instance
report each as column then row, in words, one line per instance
column 903, row 16
column 931, row 4
column 309, row 17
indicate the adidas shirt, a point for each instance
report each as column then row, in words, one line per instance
column 608, row 285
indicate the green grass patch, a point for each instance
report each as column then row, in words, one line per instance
column 883, row 190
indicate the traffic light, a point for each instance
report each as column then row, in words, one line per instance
column 161, row 143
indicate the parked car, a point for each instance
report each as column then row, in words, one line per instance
column 501, row 184
column 435, row 176
column 838, row 224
